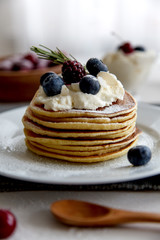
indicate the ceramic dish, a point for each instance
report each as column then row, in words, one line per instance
column 18, row 162
column 22, row 85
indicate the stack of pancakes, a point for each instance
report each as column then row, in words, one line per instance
column 82, row 135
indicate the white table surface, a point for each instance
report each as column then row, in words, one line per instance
column 32, row 210
column 36, row 222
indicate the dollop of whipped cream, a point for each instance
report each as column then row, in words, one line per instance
column 71, row 96
column 141, row 58
column 131, row 69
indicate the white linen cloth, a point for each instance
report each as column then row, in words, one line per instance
column 35, row 221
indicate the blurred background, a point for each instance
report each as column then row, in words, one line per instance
column 83, row 27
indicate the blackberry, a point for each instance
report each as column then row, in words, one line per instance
column 72, row 72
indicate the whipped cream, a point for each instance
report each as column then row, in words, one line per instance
column 71, row 96
column 131, row 69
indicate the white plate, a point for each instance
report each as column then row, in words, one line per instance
column 18, row 162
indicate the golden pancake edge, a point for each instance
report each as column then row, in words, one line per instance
column 82, row 135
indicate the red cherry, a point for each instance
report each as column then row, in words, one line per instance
column 7, row 223
column 24, row 65
column 31, row 57
column 127, row 48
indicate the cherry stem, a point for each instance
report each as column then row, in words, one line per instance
column 117, row 36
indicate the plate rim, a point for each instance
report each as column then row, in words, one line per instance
column 66, row 181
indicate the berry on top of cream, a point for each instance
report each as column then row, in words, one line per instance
column 130, row 64
column 79, row 87
column 71, row 96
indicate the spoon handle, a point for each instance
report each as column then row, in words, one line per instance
column 129, row 216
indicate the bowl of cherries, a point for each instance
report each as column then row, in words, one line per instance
column 20, row 74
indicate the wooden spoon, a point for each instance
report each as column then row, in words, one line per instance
column 79, row 213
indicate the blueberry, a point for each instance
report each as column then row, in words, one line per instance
column 52, row 84
column 44, row 76
column 140, row 48
column 89, row 84
column 139, row 155
column 94, row 66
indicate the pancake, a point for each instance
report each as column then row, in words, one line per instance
column 61, row 141
column 86, row 152
column 42, row 130
column 80, row 125
column 82, row 159
column 127, row 105
column 103, row 119
column 82, row 135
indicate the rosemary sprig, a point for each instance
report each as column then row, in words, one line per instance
column 58, row 57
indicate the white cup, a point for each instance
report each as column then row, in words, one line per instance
column 131, row 69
